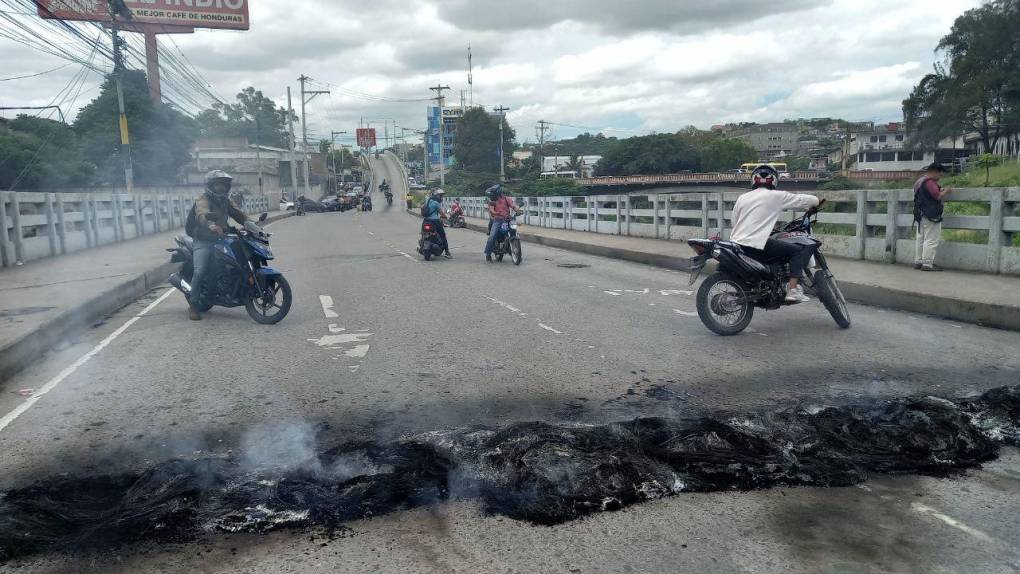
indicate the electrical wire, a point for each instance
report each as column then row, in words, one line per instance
column 35, row 75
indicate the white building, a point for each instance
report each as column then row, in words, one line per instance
column 558, row 165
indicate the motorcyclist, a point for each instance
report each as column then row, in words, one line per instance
column 501, row 208
column 206, row 223
column 456, row 209
column 435, row 214
column 754, row 218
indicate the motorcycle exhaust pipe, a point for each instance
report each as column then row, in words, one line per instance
column 177, row 281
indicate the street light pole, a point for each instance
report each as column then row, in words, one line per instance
column 501, row 110
column 304, row 128
column 293, row 159
column 337, row 174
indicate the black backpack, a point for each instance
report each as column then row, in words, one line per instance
column 926, row 206
column 192, row 222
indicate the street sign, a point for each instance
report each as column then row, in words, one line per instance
column 366, row 137
column 228, row 14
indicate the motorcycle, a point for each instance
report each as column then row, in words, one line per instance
column 366, row 204
column 509, row 243
column 726, row 299
column 457, row 220
column 389, row 196
column 430, row 245
column 238, row 274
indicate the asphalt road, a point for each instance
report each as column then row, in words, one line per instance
column 410, row 346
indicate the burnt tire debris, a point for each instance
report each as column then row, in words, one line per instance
column 534, row 471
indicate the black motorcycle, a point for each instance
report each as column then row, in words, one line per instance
column 727, row 298
column 457, row 220
column 430, row 245
column 238, row 274
column 366, row 203
column 508, row 243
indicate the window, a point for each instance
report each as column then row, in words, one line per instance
column 874, row 138
column 881, row 138
column 899, row 137
column 872, row 157
column 918, row 156
column 904, row 156
column 889, row 156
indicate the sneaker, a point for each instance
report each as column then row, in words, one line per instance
column 796, row 295
column 488, row 257
column 931, row 267
column 447, row 255
column 918, row 266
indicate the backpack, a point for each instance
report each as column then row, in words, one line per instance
column 191, row 225
column 425, row 211
column 926, row 206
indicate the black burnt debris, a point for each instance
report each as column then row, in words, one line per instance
column 539, row 472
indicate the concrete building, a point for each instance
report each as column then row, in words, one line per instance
column 242, row 160
column 558, row 166
column 771, row 141
column 448, row 121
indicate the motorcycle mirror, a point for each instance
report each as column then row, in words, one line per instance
column 263, row 217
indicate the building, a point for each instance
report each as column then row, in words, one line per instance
column 771, row 141
column 449, row 123
column 243, row 160
column 558, row 166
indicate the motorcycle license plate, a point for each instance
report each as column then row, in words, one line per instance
column 697, row 266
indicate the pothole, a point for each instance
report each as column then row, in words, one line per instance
column 535, row 471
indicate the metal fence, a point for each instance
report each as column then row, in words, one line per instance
column 874, row 225
column 45, row 224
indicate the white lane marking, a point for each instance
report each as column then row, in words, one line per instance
column 918, row 507
column 334, row 341
column 354, row 368
column 668, row 292
column 644, row 291
column 334, row 328
column 685, row 313
column 327, row 307
column 52, row 383
column 357, row 352
column 407, row 256
column 372, row 234
column 548, row 328
column 507, row 306
column 613, row 294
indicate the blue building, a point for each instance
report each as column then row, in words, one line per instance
column 449, row 122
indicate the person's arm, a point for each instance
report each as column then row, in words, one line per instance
column 234, row 211
column 798, row 200
column 204, row 216
column 935, row 191
column 492, row 210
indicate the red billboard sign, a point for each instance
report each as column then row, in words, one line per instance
column 230, row 14
column 366, row 137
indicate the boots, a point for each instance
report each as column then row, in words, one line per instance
column 193, row 313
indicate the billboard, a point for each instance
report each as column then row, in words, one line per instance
column 229, row 14
column 366, row 137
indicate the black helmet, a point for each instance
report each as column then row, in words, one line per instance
column 764, row 176
column 216, row 176
column 494, row 192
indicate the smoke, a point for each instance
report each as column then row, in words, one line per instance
column 540, row 472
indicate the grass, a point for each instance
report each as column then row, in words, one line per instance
column 1004, row 175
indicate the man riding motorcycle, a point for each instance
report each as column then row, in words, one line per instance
column 207, row 221
column 500, row 209
column 435, row 214
column 754, row 218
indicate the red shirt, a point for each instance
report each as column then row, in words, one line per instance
column 502, row 207
column 932, row 187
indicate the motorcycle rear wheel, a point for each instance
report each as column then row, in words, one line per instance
column 716, row 309
column 260, row 310
column 831, row 296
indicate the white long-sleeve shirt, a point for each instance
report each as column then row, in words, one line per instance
column 756, row 212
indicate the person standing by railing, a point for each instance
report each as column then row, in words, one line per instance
column 928, row 210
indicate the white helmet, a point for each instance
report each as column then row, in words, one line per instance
column 439, row 191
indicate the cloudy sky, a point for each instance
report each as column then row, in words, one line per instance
column 631, row 66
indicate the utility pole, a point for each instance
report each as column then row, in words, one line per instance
column 440, row 100
column 543, row 126
column 471, row 79
column 337, row 174
column 258, row 149
column 117, row 9
column 293, row 158
column 501, row 111
column 306, row 96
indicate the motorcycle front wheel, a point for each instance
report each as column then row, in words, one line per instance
column 270, row 307
column 515, row 250
column 831, row 296
column 721, row 305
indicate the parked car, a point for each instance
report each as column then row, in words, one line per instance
column 331, row 203
column 286, row 205
column 311, row 206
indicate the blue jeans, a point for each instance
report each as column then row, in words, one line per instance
column 495, row 233
column 201, row 259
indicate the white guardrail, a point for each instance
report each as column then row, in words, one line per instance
column 45, row 224
column 856, row 227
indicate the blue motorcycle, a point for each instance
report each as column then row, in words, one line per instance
column 238, row 274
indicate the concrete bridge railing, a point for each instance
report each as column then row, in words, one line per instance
column 45, row 224
column 979, row 230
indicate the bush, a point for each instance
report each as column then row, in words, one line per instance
column 837, row 183
column 543, row 187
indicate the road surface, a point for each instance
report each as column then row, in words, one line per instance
column 563, row 337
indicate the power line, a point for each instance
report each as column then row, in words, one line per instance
column 35, row 75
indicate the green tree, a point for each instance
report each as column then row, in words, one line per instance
column 576, row 165
column 477, row 145
column 977, row 88
column 38, row 153
column 161, row 136
column 646, row 155
column 987, row 161
column 253, row 116
column 721, row 154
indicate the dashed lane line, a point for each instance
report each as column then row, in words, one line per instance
column 327, row 307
